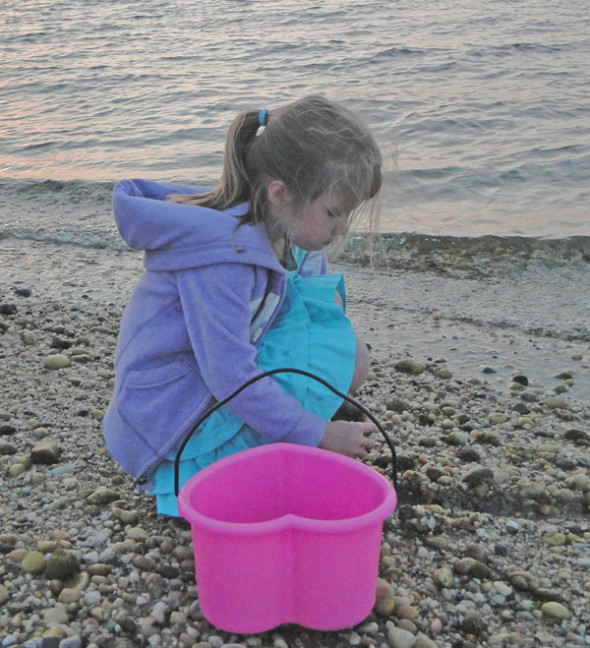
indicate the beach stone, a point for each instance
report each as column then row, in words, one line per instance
column 457, row 438
column 5, row 430
column 55, row 616
column 7, row 541
column 385, row 598
column 398, row 405
column 410, row 366
column 496, row 418
column 488, row 437
column 555, row 610
column 521, row 379
column 138, row 534
column 478, row 476
column 8, row 449
column 57, row 361
column 578, row 482
column 405, row 611
column 473, row 568
column 556, row 539
column 400, row 638
column 4, row 595
column 28, row 338
column 468, row 455
column 103, row 495
column 46, row 453
column 69, row 595
column 443, row 577
column 126, row 516
column 62, row 565
column 473, row 623
column 553, row 402
column 17, row 469
column 443, row 373
column 33, row 563
column 422, row 641
column 577, row 436
column 8, row 309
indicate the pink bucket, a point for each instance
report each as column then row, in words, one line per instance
column 285, row 533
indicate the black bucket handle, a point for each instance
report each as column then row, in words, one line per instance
column 271, row 372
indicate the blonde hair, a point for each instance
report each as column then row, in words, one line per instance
column 314, row 145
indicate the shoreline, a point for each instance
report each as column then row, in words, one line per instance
column 489, row 543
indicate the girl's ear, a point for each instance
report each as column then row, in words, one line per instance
column 278, row 194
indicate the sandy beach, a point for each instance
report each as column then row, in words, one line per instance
column 481, row 378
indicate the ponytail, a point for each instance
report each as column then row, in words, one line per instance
column 234, row 186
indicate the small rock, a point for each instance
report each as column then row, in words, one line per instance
column 478, row 476
column 578, row 482
column 473, row 568
column 521, row 380
column 522, row 409
column 422, row 641
column 399, row 638
column 443, row 577
column 385, row 598
column 103, row 495
column 126, row 516
column 4, row 595
column 138, row 534
column 5, row 430
column 409, row 366
column 61, row 565
column 571, row 435
column 46, row 453
column 473, row 624
column 33, row 563
column 552, row 402
column 555, row 610
column 57, row 361
column 398, row 405
column 468, row 455
column 28, row 338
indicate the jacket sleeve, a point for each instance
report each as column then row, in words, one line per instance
column 216, row 304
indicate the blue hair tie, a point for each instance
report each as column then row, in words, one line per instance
column 263, row 117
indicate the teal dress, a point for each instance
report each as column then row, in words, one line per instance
column 310, row 332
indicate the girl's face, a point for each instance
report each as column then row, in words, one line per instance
column 325, row 219
column 322, row 221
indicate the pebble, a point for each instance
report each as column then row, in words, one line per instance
column 400, row 638
column 57, row 361
column 410, row 366
column 33, row 563
column 385, row 598
column 46, row 452
column 555, row 610
column 477, row 476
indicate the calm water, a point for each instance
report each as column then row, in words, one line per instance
column 482, row 107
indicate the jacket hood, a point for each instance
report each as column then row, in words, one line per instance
column 178, row 237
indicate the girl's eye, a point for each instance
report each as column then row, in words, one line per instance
column 333, row 214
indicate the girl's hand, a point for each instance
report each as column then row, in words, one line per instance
column 348, row 438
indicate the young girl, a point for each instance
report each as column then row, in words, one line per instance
column 235, row 283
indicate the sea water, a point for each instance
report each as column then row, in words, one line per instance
column 481, row 109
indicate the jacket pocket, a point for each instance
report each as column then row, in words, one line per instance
column 157, row 404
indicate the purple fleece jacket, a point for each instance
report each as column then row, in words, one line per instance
column 188, row 335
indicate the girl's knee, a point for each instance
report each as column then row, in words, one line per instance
column 362, row 365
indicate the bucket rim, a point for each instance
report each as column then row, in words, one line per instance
column 289, row 521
